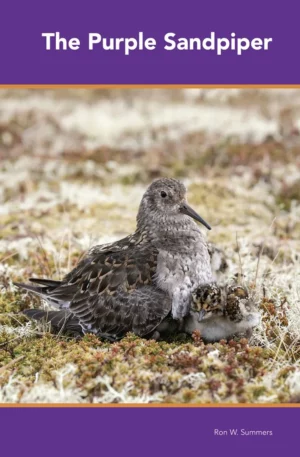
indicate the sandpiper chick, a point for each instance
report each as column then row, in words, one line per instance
column 132, row 284
column 221, row 312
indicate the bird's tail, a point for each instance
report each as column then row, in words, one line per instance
column 47, row 285
column 34, row 289
column 60, row 320
column 47, row 289
column 46, row 282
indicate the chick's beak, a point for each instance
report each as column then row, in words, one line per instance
column 201, row 315
column 186, row 209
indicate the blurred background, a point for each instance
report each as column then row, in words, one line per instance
column 75, row 163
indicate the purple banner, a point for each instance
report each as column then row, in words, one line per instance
column 148, row 432
column 141, row 43
column 134, row 42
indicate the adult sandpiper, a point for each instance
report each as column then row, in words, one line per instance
column 122, row 286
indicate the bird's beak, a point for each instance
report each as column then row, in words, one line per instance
column 201, row 315
column 186, row 209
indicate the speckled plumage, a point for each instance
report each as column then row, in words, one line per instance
column 220, row 312
column 132, row 284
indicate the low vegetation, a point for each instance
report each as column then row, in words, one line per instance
column 74, row 165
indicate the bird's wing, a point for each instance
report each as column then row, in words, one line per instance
column 106, row 272
column 61, row 293
column 100, row 252
column 140, row 312
column 113, row 292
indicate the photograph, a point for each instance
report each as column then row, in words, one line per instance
column 150, row 246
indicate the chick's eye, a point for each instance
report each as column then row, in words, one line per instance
column 163, row 194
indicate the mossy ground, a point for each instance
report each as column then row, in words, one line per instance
column 66, row 185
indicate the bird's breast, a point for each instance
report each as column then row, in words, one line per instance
column 186, row 270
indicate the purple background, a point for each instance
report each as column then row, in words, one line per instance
column 24, row 59
column 146, row 432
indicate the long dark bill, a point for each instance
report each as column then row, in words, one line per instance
column 186, row 209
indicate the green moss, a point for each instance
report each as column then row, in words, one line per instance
column 227, row 371
column 182, row 369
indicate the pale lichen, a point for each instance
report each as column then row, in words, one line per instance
column 74, row 165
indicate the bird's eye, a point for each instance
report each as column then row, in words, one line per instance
column 163, row 194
